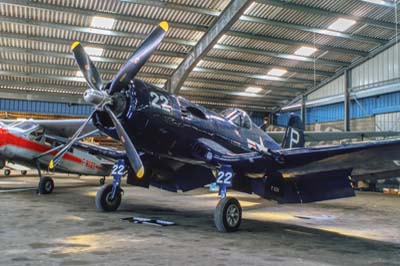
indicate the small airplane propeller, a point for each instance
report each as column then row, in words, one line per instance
column 101, row 97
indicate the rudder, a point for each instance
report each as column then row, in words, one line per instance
column 294, row 134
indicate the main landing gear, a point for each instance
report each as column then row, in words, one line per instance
column 228, row 213
column 108, row 198
column 46, row 183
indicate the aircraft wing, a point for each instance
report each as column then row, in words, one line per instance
column 59, row 127
column 338, row 135
column 370, row 160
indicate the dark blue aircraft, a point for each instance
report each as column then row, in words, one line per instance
column 174, row 144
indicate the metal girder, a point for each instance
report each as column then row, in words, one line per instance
column 32, row 22
column 219, row 106
column 267, row 66
column 70, row 56
column 280, row 55
column 168, row 53
column 102, row 13
column 312, row 30
column 224, row 22
column 326, row 13
column 84, row 43
column 243, row 85
column 382, row 3
column 198, row 10
column 266, row 38
column 261, row 20
column 150, row 64
column 177, row 25
column 252, row 76
column 202, row 91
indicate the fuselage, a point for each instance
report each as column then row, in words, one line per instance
column 169, row 125
column 25, row 146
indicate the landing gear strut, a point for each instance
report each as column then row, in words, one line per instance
column 108, row 198
column 228, row 213
column 46, row 183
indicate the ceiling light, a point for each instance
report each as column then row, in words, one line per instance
column 305, row 51
column 253, row 90
column 94, row 51
column 102, row 23
column 380, row 2
column 342, row 24
column 277, row 72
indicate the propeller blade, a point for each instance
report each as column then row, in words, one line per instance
column 57, row 158
column 138, row 58
column 86, row 66
column 132, row 154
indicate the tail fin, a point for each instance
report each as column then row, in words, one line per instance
column 294, row 134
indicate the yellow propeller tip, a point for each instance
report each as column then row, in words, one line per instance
column 75, row 44
column 51, row 165
column 164, row 25
column 140, row 173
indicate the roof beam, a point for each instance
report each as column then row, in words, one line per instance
column 224, row 22
column 232, row 93
column 288, row 42
column 281, row 55
column 89, row 30
column 326, row 13
column 151, row 64
column 167, row 53
column 313, row 30
column 244, row 85
column 262, row 21
column 179, row 25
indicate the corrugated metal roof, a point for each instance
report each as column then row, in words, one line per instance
column 36, row 36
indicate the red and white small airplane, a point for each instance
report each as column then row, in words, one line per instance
column 33, row 143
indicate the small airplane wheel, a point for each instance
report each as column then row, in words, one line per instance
column 102, row 181
column 228, row 215
column 7, row 172
column 104, row 201
column 24, row 172
column 46, row 185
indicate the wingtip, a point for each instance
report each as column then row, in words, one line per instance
column 74, row 45
column 164, row 25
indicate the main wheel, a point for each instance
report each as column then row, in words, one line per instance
column 104, row 201
column 228, row 215
column 7, row 172
column 102, row 181
column 24, row 172
column 46, row 185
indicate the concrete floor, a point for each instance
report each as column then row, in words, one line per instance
column 64, row 228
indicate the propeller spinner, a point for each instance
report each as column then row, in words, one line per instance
column 102, row 99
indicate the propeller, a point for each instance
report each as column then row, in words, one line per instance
column 102, row 98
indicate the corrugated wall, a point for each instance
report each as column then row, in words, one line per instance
column 383, row 67
column 41, row 107
column 335, row 87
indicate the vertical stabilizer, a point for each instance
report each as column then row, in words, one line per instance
column 294, row 134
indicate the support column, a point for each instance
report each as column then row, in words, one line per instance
column 303, row 109
column 346, row 125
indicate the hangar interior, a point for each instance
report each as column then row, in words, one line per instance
column 336, row 61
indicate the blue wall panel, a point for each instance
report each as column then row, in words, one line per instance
column 42, row 107
column 385, row 103
column 281, row 119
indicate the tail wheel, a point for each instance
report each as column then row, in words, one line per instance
column 104, row 200
column 46, row 185
column 228, row 215
column 24, row 172
column 7, row 172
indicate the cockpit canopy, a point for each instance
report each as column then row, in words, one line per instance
column 238, row 117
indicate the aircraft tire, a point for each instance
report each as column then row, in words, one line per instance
column 102, row 181
column 103, row 203
column 24, row 172
column 46, row 185
column 228, row 215
column 7, row 172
